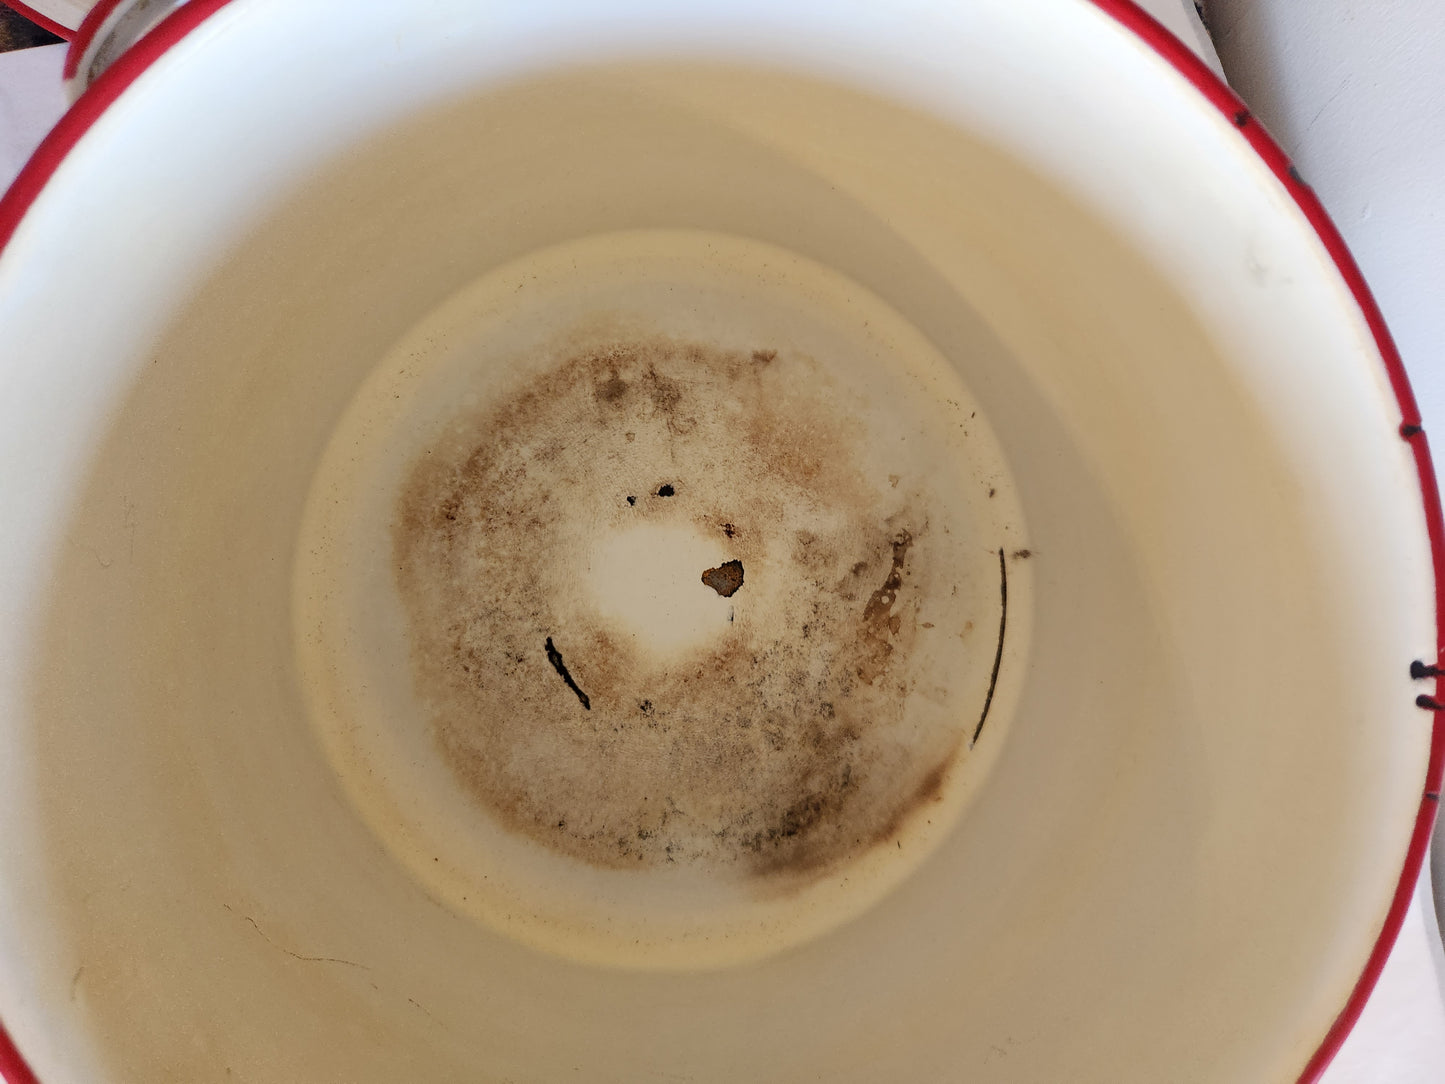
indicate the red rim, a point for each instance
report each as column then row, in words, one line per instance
column 42, row 21
column 33, row 178
column 1222, row 98
column 113, row 82
column 85, row 34
column 12, row 1065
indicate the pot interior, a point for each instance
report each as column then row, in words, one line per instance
column 237, row 841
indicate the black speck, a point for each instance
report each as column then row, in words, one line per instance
column 1419, row 670
column 666, row 490
column 1022, row 555
column 645, row 707
column 631, row 500
column 1429, row 703
column 1241, row 118
column 1407, row 431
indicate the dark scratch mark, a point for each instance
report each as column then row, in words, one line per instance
column 1407, row 430
column 129, row 522
column 1420, row 670
column 75, row 981
column 1429, row 703
column 555, row 658
column 1241, row 118
column 288, row 952
column 998, row 653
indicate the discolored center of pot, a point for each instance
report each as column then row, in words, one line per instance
column 662, row 614
column 651, row 601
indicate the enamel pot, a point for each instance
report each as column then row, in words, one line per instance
column 713, row 542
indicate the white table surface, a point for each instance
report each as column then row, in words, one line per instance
column 1355, row 89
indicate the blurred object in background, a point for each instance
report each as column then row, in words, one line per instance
column 18, row 32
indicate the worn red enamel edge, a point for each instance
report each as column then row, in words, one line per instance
column 1213, row 88
column 85, row 35
column 43, row 21
column 33, row 178
column 113, row 82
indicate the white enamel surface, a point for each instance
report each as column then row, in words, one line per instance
column 1187, row 845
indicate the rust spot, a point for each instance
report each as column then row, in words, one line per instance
column 725, row 579
column 880, row 624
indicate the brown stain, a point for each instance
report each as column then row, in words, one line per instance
column 881, row 625
column 725, row 579
column 928, row 792
column 779, row 750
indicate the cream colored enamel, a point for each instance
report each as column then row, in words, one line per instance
column 1183, row 850
column 747, row 772
column 648, row 580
